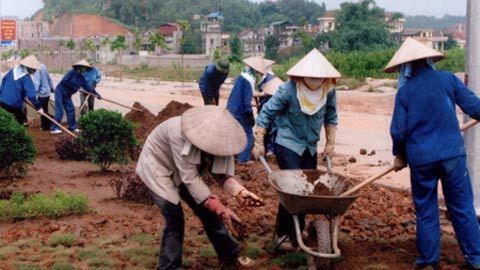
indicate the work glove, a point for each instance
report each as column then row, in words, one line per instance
column 40, row 111
column 250, row 119
column 258, row 147
column 213, row 204
column 399, row 163
column 244, row 196
column 330, row 132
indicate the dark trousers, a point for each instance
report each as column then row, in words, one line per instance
column 46, row 124
column 289, row 160
column 91, row 103
column 17, row 112
column 210, row 100
column 172, row 240
column 458, row 193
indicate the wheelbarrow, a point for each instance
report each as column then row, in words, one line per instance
column 298, row 193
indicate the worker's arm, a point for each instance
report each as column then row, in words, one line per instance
column 398, row 126
column 465, row 98
column 247, row 95
column 87, row 87
column 30, row 92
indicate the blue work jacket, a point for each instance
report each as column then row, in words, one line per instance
column 42, row 81
column 240, row 100
column 72, row 81
column 211, row 80
column 12, row 93
column 93, row 76
column 296, row 130
column 425, row 127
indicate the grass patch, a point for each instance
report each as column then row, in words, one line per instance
column 99, row 262
column 25, row 266
column 173, row 73
column 8, row 250
column 252, row 252
column 376, row 267
column 90, row 253
column 142, row 238
column 63, row 266
column 54, row 205
column 207, row 253
column 108, row 240
column 66, row 240
column 203, row 238
column 290, row 260
column 145, row 257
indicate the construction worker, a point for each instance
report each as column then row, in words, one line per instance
column 426, row 136
column 212, row 79
column 93, row 77
column 173, row 159
column 69, row 85
column 240, row 101
column 43, row 87
column 18, row 84
column 300, row 107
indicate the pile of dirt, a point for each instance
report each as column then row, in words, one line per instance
column 147, row 121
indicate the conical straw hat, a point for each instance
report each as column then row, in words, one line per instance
column 272, row 86
column 256, row 63
column 214, row 130
column 30, row 61
column 82, row 63
column 268, row 62
column 314, row 65
column 412, row 50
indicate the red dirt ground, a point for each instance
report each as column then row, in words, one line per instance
column 377, row 232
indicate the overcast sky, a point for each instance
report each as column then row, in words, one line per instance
column 25, row 8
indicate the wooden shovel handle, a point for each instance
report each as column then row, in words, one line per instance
column 111, row 101
column 368, row 181
column 53, row 120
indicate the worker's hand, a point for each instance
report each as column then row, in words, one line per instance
column 99, row 97
column 213, row 204
column 248, row 198
column 258, row 147
column 40, row 111
column 399, row 163
column 330, row 133
column 258, row 94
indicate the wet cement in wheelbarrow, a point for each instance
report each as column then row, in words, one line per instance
column 341, row 184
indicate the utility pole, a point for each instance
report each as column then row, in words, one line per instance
column 472, row 78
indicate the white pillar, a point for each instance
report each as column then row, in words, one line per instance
column 472, row 136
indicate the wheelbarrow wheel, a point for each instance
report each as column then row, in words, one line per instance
column 320, row 229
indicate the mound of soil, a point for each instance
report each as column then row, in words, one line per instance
column 147, row 121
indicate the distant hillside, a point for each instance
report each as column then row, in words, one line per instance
column 239, row 14
column 433, row 22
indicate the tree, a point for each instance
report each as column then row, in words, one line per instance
column 271, row 47
column 192, row 42
column 70, row 44
column 119, row 44
column 158, row 43
column 91, row 47
column 361, row 27
column 105, row 43
column 308, row 43
column 185, row 27
column 236, row 48
column 137, row 41
column 451, row 43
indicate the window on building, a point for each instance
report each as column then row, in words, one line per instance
column 211, row 41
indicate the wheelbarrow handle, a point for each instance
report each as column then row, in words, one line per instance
column 368, row 181
column 265, row 164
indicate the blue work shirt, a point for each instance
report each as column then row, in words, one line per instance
column 425, row 127
column 296, row 130
column 72, row 81
column 93, row 76
column 211, row 80
column 13, row 93
column 42, row 81
column 266, row 79
column 239, row 102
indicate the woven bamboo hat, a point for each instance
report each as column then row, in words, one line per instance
column 412, row 50
column 314, row 65
column 257, row 63
column 82, row 63
column 272, row 86
column 268, row 62
column 30, row 61
column 214, row 130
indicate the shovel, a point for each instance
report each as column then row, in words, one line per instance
column 111, row 101
column 390, row 169
column 52, row 120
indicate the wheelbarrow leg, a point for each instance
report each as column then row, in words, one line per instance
column 308, row 250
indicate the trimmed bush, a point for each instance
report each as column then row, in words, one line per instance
column 16, row 147
column 69, row 148
column 130, row 187
column 108, row 138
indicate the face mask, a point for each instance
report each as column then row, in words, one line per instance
column 313, row 83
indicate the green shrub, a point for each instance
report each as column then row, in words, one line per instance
column 55, row 205
column 454, row 61
column 108, row 137
column 16, row 146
